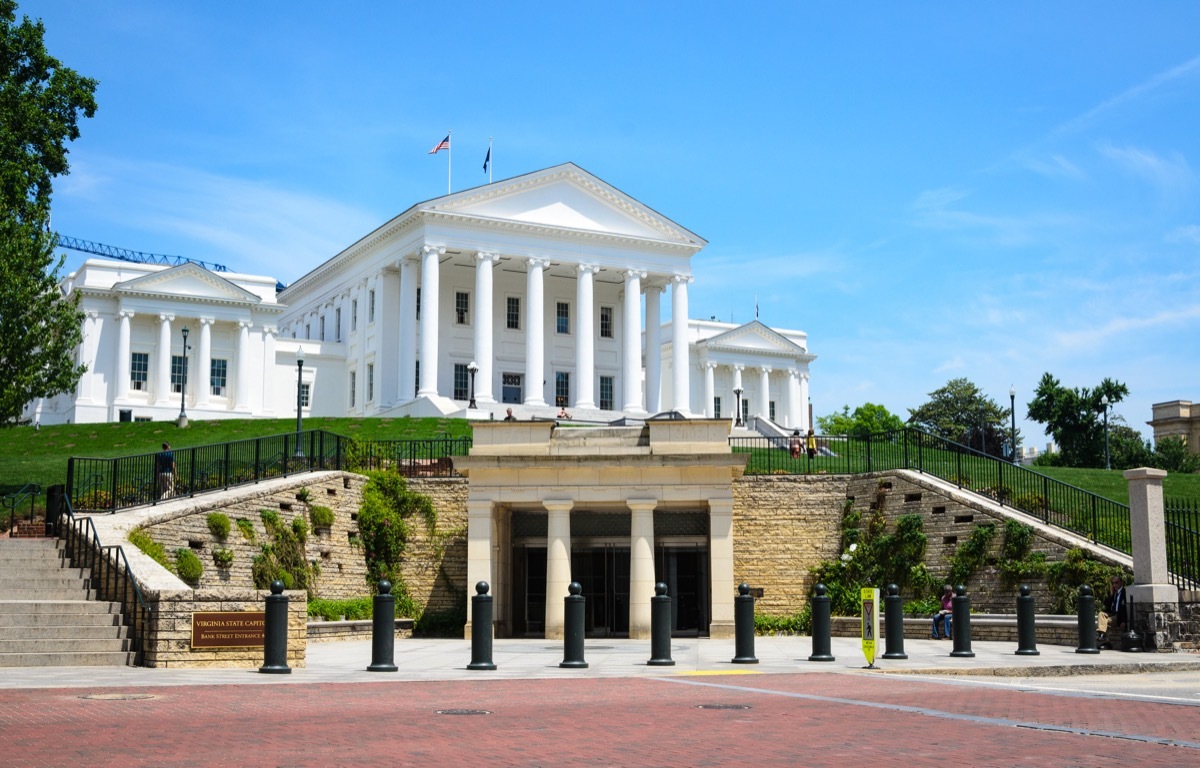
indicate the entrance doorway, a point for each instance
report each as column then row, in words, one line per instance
column 684, row 569
column 603, row 572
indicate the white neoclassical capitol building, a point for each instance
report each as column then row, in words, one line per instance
column 538, row 292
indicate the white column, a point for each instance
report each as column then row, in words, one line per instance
column 430, row 255
column 407, row 333
column 484, row 265
column 270, row 334
column 709, row 389
column 123, row 357
column 479, row 550
column 162, row 382
column 241, row 396
column 764, row 386
column 203, row 373
column 631, row 361
column 535, row 336
column 654, row 349
column 558, row 563
column 680, row 368
column 641, row 566
column 805, row 423
column 585, row 338
column 792, row 388
column 387, row 317
column 737, row 384
column 720, row 537
column 87, row 355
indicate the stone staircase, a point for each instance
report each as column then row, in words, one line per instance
column 49, row 616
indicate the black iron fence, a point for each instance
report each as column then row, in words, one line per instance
column 1181, row 518
column 112, row 484
column 1056, row 503
column 21, row 506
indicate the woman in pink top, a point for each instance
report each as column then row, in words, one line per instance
column 944, row 615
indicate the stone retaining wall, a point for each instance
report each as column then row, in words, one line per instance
column 1049, row 630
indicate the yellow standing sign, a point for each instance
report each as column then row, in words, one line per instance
column 870, row 623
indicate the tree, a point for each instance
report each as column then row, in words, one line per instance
column 867, row 419
column 1126, row 446
column 41, row 102
column 1171, row 453
column 960, row 412
column 1075, row 418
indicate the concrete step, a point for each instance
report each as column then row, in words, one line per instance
column 68, row 659
column 64, row 632
column 46, row 593
column 102, row 645
column 71, row 619
column 54, row 580
column 42, row 572
column 70, row 606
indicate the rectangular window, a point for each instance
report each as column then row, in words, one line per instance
column 322, row 327
column 354, row 315
column 562, row 316
column 370, row 382
column 353, row 387
column 462, row 303
column 562, row 389
column 716, row 407
column 606, row 322
column 218, row 375
column 418, row 303
column 304, row 390
column 371, row 306
column 461, row 375
column 606, row 393
column 417, row 378
column 337, row 323
column 514, row 313
column 771, row 408
column 746, row 411
column 178, row 372
column 139, row 370
column 510, row 388
column 308, row 331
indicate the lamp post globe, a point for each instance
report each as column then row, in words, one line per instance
column 1107, row 462
column 182, row 421
column 738, row 420
column 1012, row 410
column 472, row 369
column 299, row 454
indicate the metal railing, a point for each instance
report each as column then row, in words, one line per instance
column 113, row 484
column 111, row 578
column 1101, row 520
column 29, row 492
column 1181, row 518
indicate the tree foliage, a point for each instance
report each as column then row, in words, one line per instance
column 1074, row 417
column 387, row 503
column 867, row 419
column 41, row 102
column 959, row 411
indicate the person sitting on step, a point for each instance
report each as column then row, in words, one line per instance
column 944, row 615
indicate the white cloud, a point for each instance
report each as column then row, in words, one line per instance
column 955, row 363
column 1185, row 234
column 1107, row 333
column 1053, row 166
column 1171, row 174
column 1189, row 68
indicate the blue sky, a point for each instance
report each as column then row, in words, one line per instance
column 929, row 190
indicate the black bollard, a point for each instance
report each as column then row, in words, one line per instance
column 960, row 614
column 1087, row 621
column 1131, row 641
column 820, row 626
column 383, row 629
column 1026, row 630
column 481, row 628
column 275, row 633
column 660, row 628
column 743, row 626
column 573, row 614
column 893, row 618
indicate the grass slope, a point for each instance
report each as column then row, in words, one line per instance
column 1111, row 484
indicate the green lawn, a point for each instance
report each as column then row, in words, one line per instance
column 1110, row 483
column 40, row 456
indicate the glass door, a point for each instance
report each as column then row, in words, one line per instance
column 603, row 572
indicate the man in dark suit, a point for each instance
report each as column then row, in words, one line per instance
column 1114, row 611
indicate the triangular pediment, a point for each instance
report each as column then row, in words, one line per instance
column 187, row 281
column 753, row 337
column 563, row 197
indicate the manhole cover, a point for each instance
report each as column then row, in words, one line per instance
column 463, row 712
column 722, row 706
column 118, row 696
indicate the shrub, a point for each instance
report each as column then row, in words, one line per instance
column 283, row 558
column 140, row 538
column 218, row 525
column 303, row 495
column 269, row 517
column 246, row 527
column 383, row 524
column 321, row 517
column 799, row 623
column 355, row 608
column 300, row 528
column 188, row 566
column 223, row 557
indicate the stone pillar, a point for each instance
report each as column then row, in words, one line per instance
column 241, row 394
column 203, row 373
column 710, row 389
column 479, row 548
column 764, row 386
column 1154, row 598
column 585, row 341
column 680, row 365
column 123, row 357
column 162, row 381
column 558, row 563
column 430, row 255
column 641, row 566
column 654, row 352
column 720, row 523
column 484, row 264
column 406, row 340
column 535, row 337
column 631, row 360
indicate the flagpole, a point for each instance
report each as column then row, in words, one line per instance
column 449, row 158
column 491, row 160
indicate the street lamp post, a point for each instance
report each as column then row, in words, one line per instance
column 738, row 394
column 1012, row 411
column 1104, row 402
column 182, row 421
column 472, row 369
column 299, row 454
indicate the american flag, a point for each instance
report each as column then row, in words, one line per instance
column 443, row 144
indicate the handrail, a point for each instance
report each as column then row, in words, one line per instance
column 12, row 500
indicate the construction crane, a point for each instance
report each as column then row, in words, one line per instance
column 138, row 257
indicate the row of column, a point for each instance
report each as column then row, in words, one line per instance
column 795, row 393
